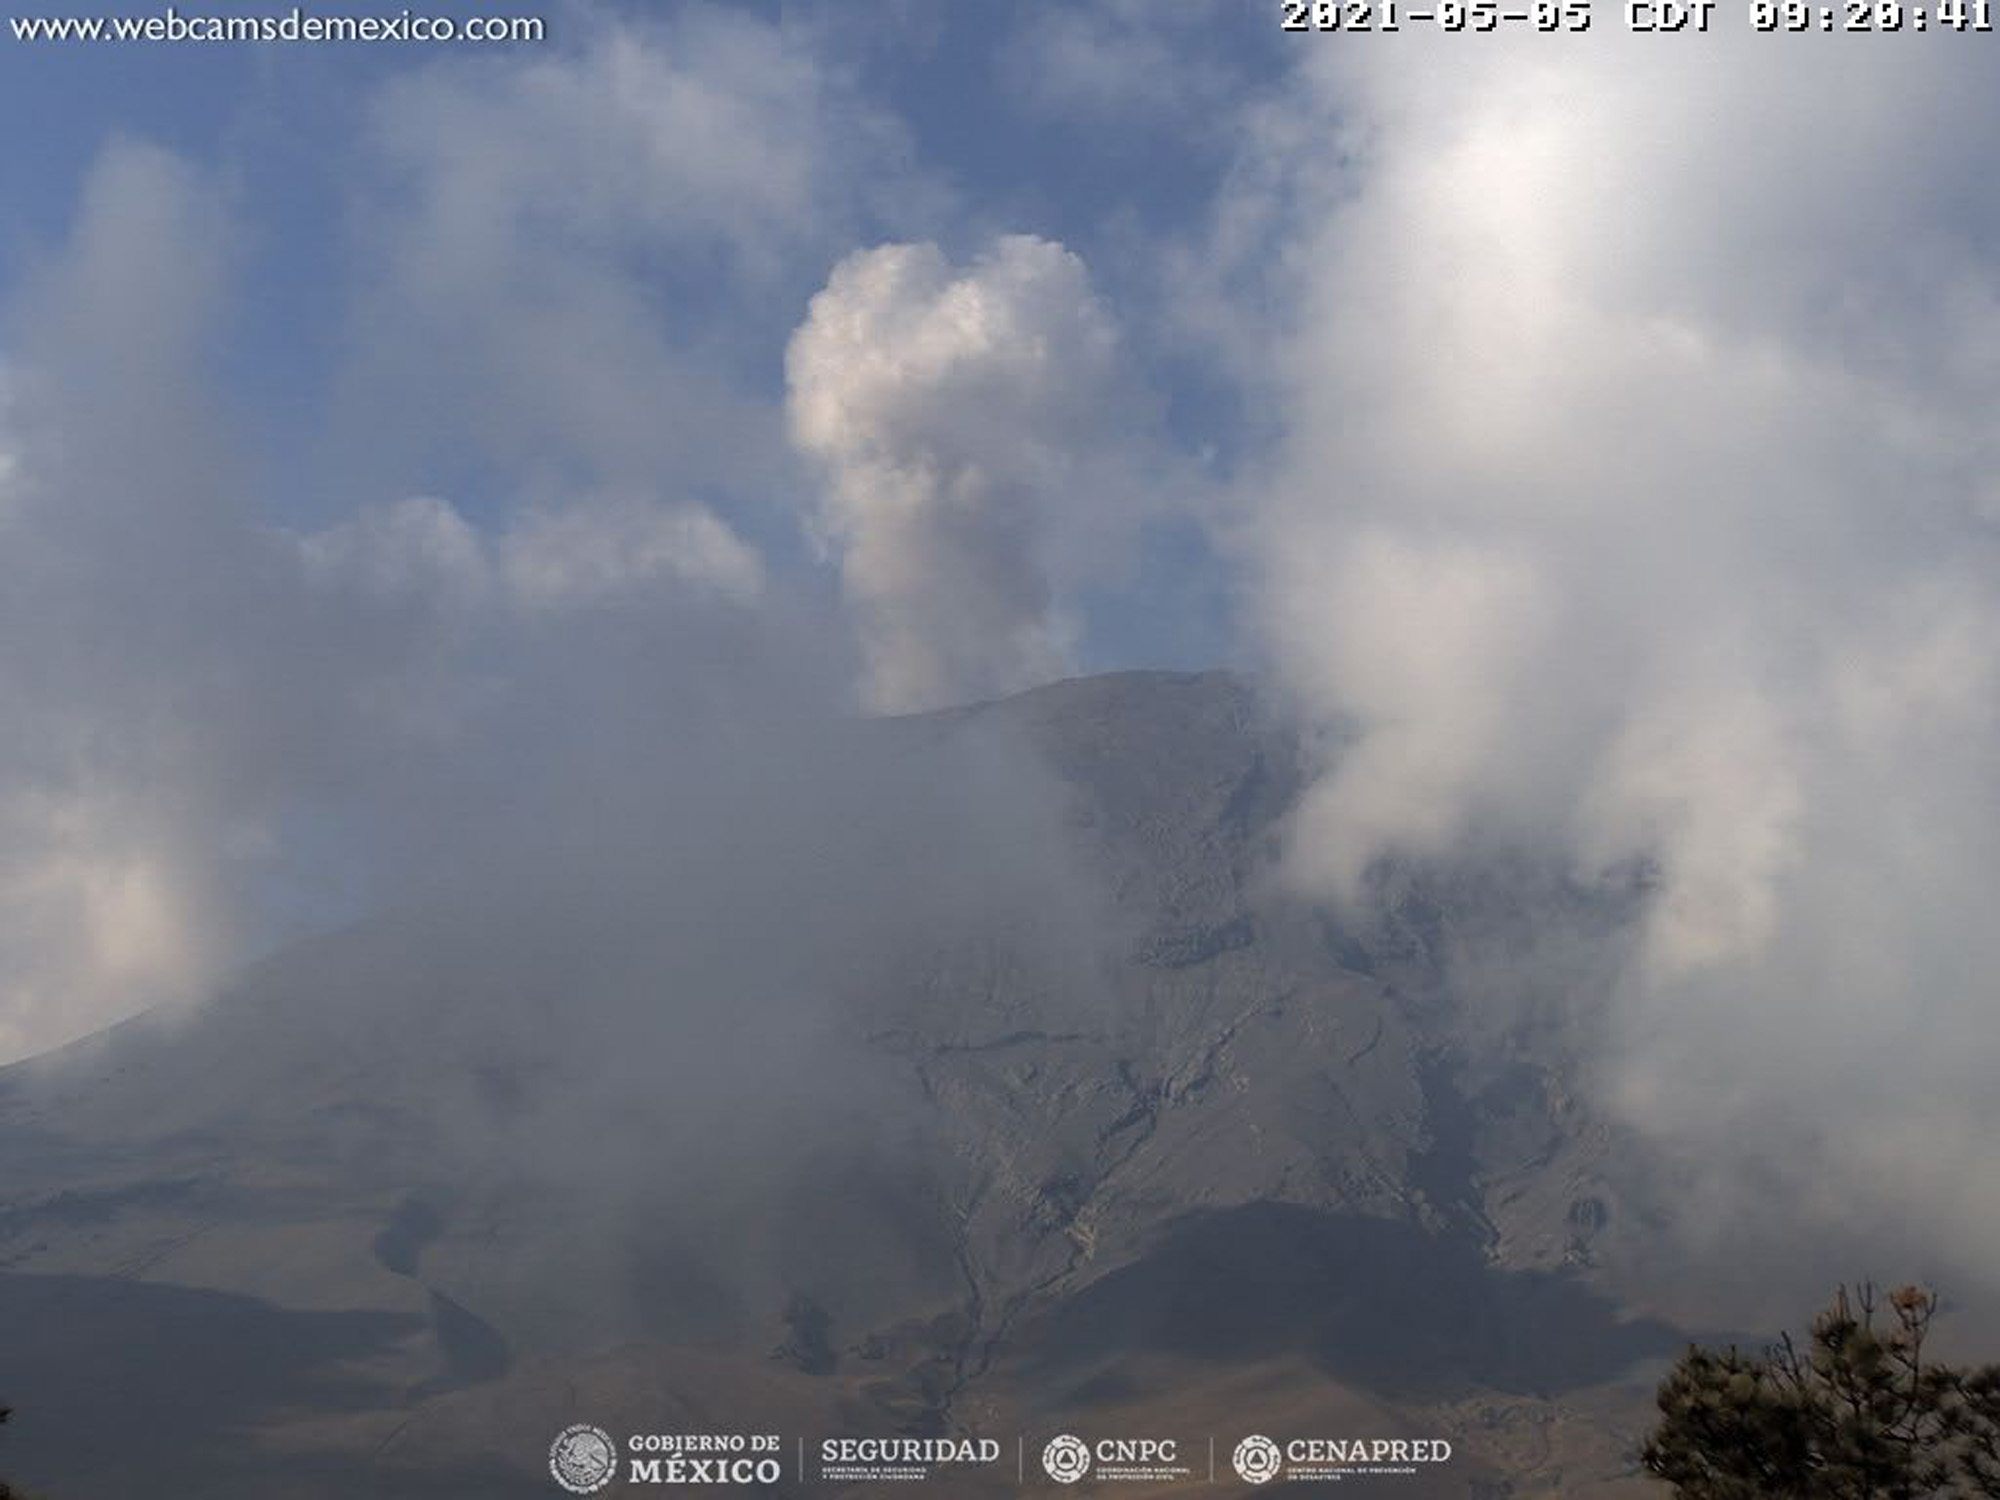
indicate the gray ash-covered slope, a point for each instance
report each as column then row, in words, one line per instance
column 1096, row 1119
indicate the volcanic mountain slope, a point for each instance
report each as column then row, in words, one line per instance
column 1090, row 1126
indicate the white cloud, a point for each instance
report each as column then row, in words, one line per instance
column 578, row 555
column 964, row 420
column 1632, row 506
column 594, row 554
column 122, row 553
column 221, row 729
column 100, row 912
column 417, row 546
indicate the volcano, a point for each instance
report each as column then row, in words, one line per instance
column 1129, row 1142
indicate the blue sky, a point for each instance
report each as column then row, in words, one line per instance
column 283, row 134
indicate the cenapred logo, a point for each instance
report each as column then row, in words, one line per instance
column 583, row 1459
column 1257, row 1460
column 1066, row 1459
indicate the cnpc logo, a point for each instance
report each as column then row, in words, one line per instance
column 1066, row 1459
column 1069, row 1458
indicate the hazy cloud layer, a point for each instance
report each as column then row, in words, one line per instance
column 129, row 761
column 1122, row 66
column 574, row 265
column 243, row 703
